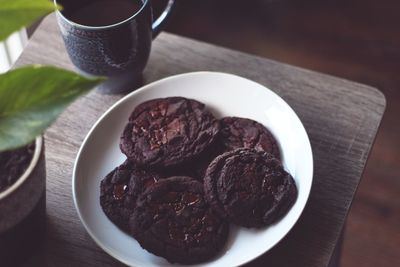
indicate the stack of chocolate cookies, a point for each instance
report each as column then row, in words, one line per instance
column 188, row 175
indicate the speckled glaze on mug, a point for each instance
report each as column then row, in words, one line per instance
column 112, row 50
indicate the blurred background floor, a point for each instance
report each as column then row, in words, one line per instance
column 354, row 39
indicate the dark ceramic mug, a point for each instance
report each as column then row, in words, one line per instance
column 119, row 51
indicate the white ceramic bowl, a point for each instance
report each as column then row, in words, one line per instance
column 225, row 95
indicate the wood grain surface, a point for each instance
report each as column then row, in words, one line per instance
column 353, row 39
column 341, row 118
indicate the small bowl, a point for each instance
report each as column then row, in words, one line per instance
column 20, row 198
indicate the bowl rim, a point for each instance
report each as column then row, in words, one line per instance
column 21, row 180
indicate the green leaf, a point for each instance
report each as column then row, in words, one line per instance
column 15, row 14
column 32, row 97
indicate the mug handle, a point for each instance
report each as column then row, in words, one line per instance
column 159, row 23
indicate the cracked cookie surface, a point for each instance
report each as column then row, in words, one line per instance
column 119, row 190
column 250, row 188
column 240, row 132
column 173, row 220
column 166, row 132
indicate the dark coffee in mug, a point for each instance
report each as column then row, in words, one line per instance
column 103, row 12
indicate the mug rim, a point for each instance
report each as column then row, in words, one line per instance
column 28, row 171
column 59, row 13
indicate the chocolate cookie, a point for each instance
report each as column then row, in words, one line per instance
column 240, row 132
column 168, row 131
column 249, row 187
column 172, row 220
column 119, row 190
column 197, row 167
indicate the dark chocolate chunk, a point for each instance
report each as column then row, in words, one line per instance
column 240, row 132
column 167, row 132
column 249, row 187
column 119, row 190
column 172, row 220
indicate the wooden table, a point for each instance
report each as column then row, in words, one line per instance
column 341, row 119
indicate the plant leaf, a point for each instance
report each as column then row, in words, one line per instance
column 32, row 97
column 15, row 14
